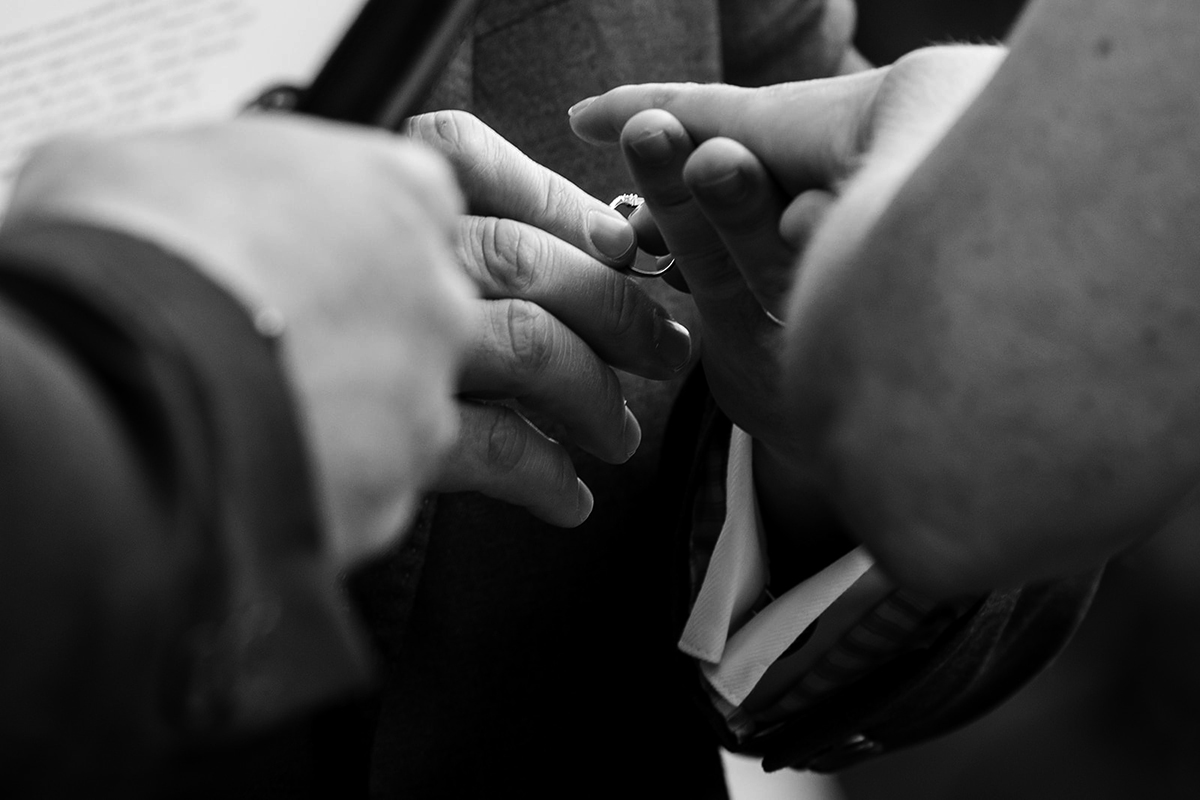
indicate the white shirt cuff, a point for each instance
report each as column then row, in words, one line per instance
column 735, row 649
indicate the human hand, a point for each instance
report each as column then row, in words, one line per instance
column 814, row 133
column 554, row 319
column 775, row 168
column 340, row 234
column 718, row 210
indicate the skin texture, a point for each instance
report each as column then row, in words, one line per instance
column 553, row 322
column 991, row 337
column 716, row 210
column 541, row 323
column 1040, row 416
column 738, row 222
column 348, row 245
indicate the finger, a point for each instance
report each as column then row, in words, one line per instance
column 609, row 311
column 739, row 336
column 502, row 455
column 806, row 133
column 803, row 215
column 744, row 205
column 672, row 277
column 499, row 180
column 523, row 352
column 649, row 237
column 656, row 149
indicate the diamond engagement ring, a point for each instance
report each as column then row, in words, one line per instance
column 644, row 265
column 626, row 204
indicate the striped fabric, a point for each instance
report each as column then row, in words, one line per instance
column 900, row 622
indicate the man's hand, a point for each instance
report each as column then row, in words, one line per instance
column 341, row 234
column 554, row 320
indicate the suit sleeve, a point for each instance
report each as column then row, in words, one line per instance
column 161, row 575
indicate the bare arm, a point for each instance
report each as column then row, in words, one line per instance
column 1002, row 373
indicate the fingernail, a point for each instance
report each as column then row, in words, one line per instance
column 673, row 342
column 584, row 500
column 729, row 188
column 633, row 434
column 653, row 147
column 611, row 235
column 581, row 105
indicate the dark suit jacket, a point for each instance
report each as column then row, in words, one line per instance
column 513, row 657
column 160, row 580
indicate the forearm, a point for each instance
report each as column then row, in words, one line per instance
column 1012, row 381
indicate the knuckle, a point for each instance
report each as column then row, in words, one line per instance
column 459, row 136
column 672, row 200
column 469, row 237
column 507, row 442
column 471, row 147
column 562, row 475
column 623, row 304
column 445, row 131
column 530, row 335
column 556, row 196
column 512, row 253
